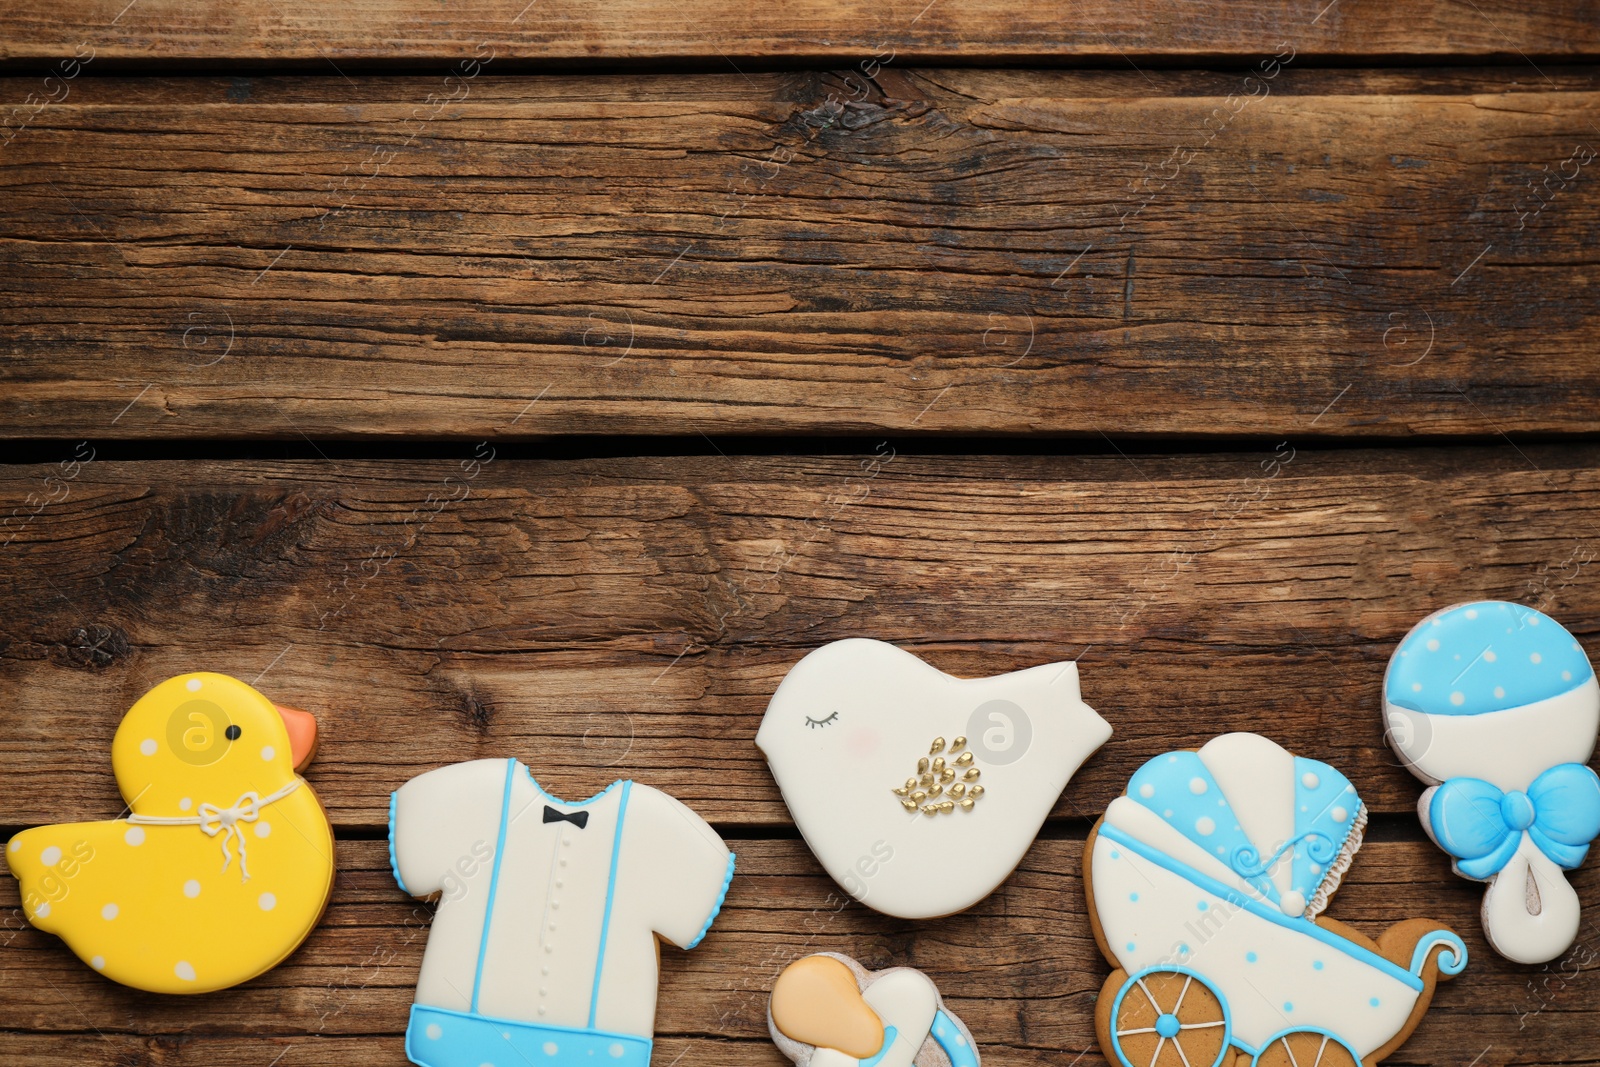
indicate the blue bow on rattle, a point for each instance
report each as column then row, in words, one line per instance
column 1482, row 827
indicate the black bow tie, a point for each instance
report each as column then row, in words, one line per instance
column 580, row 819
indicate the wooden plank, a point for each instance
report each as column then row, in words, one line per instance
column 810, row 30
column 631, row 617
column 1021, row 969
column 975, row 252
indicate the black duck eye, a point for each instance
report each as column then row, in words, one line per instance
column 829, row 721
column 232, row 733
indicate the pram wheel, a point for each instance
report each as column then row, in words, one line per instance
column 1169, row 1017
column 1306, row 1048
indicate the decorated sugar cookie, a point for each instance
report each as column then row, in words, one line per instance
column 920, row 792
column 1207, row 882
column 827, row 1010
column 544, row 949
column 225, row 861
column 1496, row 707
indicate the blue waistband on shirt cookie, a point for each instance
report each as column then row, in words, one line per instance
column 440, row 1037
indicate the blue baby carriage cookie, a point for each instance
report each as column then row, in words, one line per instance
column 1495, row 706
column 1206, row 885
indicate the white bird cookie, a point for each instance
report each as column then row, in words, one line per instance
column 920, row 792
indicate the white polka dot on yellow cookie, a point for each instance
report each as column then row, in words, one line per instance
column 193, row 891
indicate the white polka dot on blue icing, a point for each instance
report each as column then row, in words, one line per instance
column 1513, row 656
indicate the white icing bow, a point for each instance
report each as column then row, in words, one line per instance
column 213, row 820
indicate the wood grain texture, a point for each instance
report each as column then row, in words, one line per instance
column 721, row 31
column 997, row 252
column 631, row 618
column 1021, row 969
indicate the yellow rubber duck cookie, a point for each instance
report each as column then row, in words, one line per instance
column 224, row 864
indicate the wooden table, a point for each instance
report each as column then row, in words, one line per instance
column 544, row 379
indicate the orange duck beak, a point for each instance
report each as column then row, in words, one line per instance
column 302, row 727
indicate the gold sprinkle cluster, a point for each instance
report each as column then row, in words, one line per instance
column 934, row 790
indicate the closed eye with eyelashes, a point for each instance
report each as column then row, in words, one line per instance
column 829, row 721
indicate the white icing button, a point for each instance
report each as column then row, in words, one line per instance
column 109, row 912
column 1433, row 644
column 98, row 963
column 550, row 1048
column 1472, row 613
column 1309, row 780
column 148, row 746
column 185, row 804
column 1489, row 656
column 14, row 845
column 1534, row 657
column 193, row 685
column 433, row 1032
column 1499, row 691
column 1205, row 825
column 267, row 901
column 50, row 856
column 1339, row 814
column 1294, row 903
column 191, row 889
column 263, row 829
column 1197, row 786
column 184, row 970
column 42, row 910
column 1416, row 687
column 267, row 752
column 1458, row 698
column 134, row 836
column 1147, row 790
column 616, row 1050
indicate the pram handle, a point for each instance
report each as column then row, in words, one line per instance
column 1452, row 957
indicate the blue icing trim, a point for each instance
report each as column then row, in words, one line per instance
column 1178, row 787
column 949, row 1037
column 440, row 1037
column 716, row 909
column 394, row 862
column 1325, row 810
column 889, row 1034
column 611, row 896
column 1484, row 657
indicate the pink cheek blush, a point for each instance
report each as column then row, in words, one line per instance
column 863, row 742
